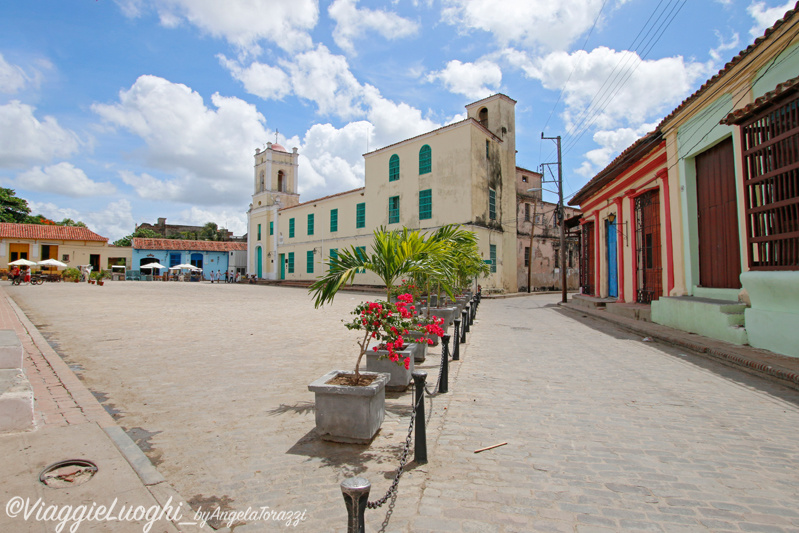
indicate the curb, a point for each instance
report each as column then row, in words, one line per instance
column 699, row 344
column 95, row 413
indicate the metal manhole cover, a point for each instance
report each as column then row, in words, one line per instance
column 68, row 473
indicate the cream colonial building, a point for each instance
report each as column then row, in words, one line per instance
column 463, row 173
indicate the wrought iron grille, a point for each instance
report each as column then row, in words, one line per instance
column 770, row 143
column 649, row 270
column 586, row 258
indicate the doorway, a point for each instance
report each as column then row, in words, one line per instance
column 613, row 268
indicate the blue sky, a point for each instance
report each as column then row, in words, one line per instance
column 117, row 112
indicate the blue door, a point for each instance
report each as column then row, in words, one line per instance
column 613, row 268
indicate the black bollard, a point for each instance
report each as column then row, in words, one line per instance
column 456, row 351
column 356, row 494
column 465, row 321
column 420, row 445
column 474, row 312
column 463, row 326
column 443, row 379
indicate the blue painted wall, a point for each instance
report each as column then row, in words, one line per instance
column 211, row 260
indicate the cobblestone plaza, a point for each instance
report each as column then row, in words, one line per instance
column 604, row 432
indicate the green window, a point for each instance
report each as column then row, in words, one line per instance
column 393, row 168
column 291, row 228
column 310, row 223
column 309, row 261
column 488, row 153
column 493, row 251
column 333, row 254
column 492, row 204
column 259, row 232
column 272, row 228
column 333, row 220
column 291, row 261
column 393, row 210
column 361, row 251
column 360, row 215
column 425, row 204
column 425, row 160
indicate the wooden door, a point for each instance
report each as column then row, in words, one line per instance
column 717, row 214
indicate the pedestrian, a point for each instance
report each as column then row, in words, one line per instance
column 212, row 276
column 219, row 276
column 14, row 273
column 237, row 277
column 227, row 277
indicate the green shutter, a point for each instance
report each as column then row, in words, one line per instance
column 291, row 261
column 361, row 251
column 291, row 228
column 310, row 223
column 259, row 232
column 393, row 168
column 493, row 251
column 492, row 204
column 360, row 215
column 309, row 261
column 333, row 254
column 272, row 228
column 333, row 220
column 425, row 204
column 393, row 210
column 425, row 160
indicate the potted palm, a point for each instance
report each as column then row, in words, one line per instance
column 350, row 406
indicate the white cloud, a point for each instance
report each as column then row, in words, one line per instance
column 114, row 221
column 331, row 159
column 130, row 8
column 732, row 44
column 233, row 220
column 262, row 80
column 12, row 78
column 611, row 143
column 209, row 150
column 326, row 80
column 527, row 23
column 353, row 23
column 151, row 188
column 393, row 122
column 765, row 17
column 244, row 23
column 24, row 139
column 475, row 80
column 630, row 90
column 62, row 178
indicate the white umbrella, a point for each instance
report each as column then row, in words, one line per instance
column 184, row 266
column 152, row 265
column 52, row 262
column 25, row 262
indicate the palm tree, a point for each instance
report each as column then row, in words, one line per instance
column 394, row 254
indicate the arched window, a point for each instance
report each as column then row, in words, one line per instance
column 483, row 117
column 393, row 168
column 280, row 181
column 262, row 182
column 425, row 160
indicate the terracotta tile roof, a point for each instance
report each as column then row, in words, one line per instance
column 734, row 61
column 618, row 165
column 323, row 198
column 179, row 244
column 784, row 89
column 48, row 232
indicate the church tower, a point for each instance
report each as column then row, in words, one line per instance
column 274, row 187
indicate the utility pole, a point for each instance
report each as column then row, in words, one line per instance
column 532, row 235
column 562, row 214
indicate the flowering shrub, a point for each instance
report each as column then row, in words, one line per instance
column 406, row 287
column 387, row 323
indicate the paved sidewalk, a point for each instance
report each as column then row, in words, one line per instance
column 769, row 365
column 69, row 423
column 604, row 432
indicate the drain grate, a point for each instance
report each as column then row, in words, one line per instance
column 69, row 473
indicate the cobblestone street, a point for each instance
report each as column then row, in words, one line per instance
column 604, row 432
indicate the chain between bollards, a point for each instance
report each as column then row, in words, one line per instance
column 456, row 350
column 443, row 380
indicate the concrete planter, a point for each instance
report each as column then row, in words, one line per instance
column 447, row 313
column 420, row 340
column 349, row 414
column 400, row 377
